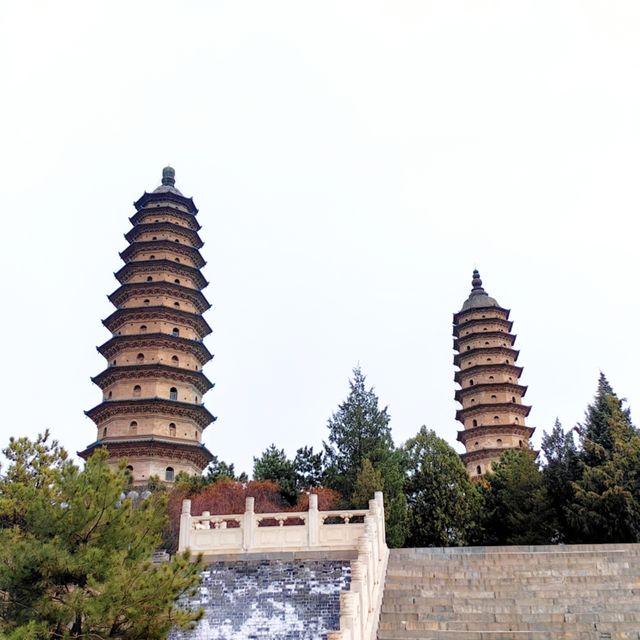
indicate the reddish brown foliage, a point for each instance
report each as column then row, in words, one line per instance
column 228, row 497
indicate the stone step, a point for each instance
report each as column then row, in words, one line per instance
column 476, row 567
column 567, row 634
column 391, row 620
column 610, row 591
column 548, row 626
column 551, row 578
column 493, row 606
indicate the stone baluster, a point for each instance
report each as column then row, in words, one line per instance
column 185, row 526
column 248, row 524
column 313, row 521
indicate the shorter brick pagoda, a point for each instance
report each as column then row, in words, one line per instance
column 490, row 393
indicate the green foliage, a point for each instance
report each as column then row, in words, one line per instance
column 274, row 465
column 596, row 433
column 561, row 470
column 444, row 505
column 359, row 429
column 607, row 492
column 75, row 554
column 516, row 505
column 368, row 481
column 308, row 468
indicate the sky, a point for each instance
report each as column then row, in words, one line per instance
column 353, row 162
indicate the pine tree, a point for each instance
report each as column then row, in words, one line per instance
column 274, row 465
column 76, row 553
column 444, row 505
column 560, row 471
column 359, row 429
column 606, row 507
column 308, row 468
column 516, row 506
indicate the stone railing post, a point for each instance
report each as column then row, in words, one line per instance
column 247, row 524
column 358, row 587
column 348, row 615
column 184, row 538
column 364, row 555
column 382, row 534
column 313, row 521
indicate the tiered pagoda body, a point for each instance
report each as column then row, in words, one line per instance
column 490, row 393
column 152, row 412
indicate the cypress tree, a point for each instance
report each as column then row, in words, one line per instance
column 360, row 429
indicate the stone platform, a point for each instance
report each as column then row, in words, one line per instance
column 574, row 592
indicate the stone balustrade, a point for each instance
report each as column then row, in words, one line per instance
column 359, row 531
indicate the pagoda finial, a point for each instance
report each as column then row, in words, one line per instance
column 168, row 176
column 476, row 282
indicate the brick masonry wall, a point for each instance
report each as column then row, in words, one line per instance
column 274, row 599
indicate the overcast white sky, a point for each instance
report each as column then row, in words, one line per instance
column 352, row 162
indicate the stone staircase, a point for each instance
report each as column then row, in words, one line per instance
column 575, row 592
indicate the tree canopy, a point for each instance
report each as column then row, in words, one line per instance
column 360, row 430
column 444, row 505
column 76, row 552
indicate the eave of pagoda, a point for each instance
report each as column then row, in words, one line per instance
column 197, row 413
column 165, row 266
column 486, row 351
column 152, row 446
column 189, row 235
column 494, row 430
column 116, row 344
column 510, row 338
column 188, row 218
column 491, row 386
column 490, row 310
column 163, row 245
column 493, row 367
column 159, row 287
column 149, row 314
column 492, row 407
column 472, row 324
column 155, row 370
column 166, row 196
column 493, row 453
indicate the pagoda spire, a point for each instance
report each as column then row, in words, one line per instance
column 490, row 393
column 152, row 412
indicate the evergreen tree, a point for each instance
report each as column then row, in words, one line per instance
column 274, row 465
column 516, row 507
column 596, row 428
column 76, row 553
column 444, row 505
column 560, row 471
column 368, row 481
column 607, row 493
column 359, row 429
column 308, row 468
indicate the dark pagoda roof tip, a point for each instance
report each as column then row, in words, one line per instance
column 478, row 298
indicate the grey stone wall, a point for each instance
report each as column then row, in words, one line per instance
column 274, row 599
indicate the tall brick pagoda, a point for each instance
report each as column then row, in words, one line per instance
column 152, row 412
column 492, row 412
